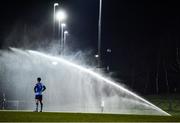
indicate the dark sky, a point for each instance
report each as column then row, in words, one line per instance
column 138, row 32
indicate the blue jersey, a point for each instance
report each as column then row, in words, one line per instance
column 39, row 88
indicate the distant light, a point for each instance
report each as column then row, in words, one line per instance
column 109, row 50
column 54, row 63
column 96, row 56
column 66, row 32
column 63, row 24
column 56, row 4
column 61, row 15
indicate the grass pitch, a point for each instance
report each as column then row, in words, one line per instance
column 160, row 101
column 10, row 116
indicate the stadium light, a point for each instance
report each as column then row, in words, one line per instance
column 55, row 4
column 66, row 32
column 97, row 56
column 65, row 37
column 61, row 15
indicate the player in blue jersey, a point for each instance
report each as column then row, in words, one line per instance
column 38, row 89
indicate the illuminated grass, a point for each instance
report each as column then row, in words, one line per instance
column 80, row 117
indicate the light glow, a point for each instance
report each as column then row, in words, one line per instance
column 61, row 15
column 96, row 56
column 56, row 4
column 66, row 32
column 63, row 25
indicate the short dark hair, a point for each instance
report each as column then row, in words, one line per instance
column 38, row 79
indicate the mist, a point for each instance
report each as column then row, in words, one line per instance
column 70, row 87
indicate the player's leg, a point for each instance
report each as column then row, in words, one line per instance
column 41, row 105
column 37, row 102
column 37, row 105
column 41, row 102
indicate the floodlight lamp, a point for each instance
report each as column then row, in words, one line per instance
column 63, row 24
column 56, row 4
column 96, row 55
column 61, row 15
column 66, row 32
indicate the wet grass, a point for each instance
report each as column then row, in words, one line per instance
column 161, row 101
column 10, row 116
column 169, row 103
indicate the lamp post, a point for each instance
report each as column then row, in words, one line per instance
column 61, row 16
column 62, row 37
column 54, row 21
column 97, row 59
column 65, row 37
column 99, row 34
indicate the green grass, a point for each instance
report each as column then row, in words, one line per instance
column 160, row 100
column 169, row 103
column 9, row 116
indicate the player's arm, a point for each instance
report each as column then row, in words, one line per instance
column 35, row 89
column 44, row 88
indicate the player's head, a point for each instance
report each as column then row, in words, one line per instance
column 38, row 79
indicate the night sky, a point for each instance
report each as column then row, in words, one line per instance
column 143, row 36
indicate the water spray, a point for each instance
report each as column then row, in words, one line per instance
column 59, row 59
column 72, row 87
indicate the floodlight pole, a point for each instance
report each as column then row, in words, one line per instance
column 54, row 21
column 62, row 38
column 64, row 43
column 61, row 16
column 99, row 34
column 59, row 36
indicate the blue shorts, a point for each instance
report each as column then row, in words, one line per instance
column 38, row 97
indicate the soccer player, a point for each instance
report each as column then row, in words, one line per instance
column 38, row 89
